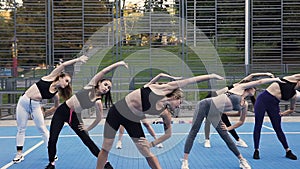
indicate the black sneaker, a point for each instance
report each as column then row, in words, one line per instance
column 256, row 155
column 108, row 166
column 50, row 166
column 290, row 155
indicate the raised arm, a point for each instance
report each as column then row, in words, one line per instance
column 62, row 66
column 160, row 75
column 184, row 82
column 252, row 75
column 257, row 82
column 106, row 70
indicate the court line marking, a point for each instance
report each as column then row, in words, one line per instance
column 199, row 133
column 24, row 154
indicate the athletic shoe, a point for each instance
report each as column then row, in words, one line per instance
column 159, row 145
column 256, row 155
column 241, row 143
column 207, row 143
column 18, row 158
column 119, row 145
column 55, row 158
column 244, row 164
column 185, row 164
column 50, row 166
column 108, row 166
column 290, row 155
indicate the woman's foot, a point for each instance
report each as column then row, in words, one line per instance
column 244, row 164
column 207, row 143
column 185, row 164
column 50, row 166
column 256, row 155
column 241, row 143
column 18, row 158
column 290, row 155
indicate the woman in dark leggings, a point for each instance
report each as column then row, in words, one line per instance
column 224, row 117
column 70, row 111
column 268, row 101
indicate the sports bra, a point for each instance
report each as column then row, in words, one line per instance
column 149, row 100
column 235, row 101
column 84, row 98
column 43, row 87
column 287, row 89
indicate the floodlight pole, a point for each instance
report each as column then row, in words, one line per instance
column 247, row 36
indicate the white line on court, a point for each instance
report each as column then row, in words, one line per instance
column 24, row 154
column 101, row 135
column 268, row 127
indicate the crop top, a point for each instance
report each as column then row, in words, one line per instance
column 235, row 101
column 43, row 87
column 287, row 89
column 149, row 100
column 84, row 98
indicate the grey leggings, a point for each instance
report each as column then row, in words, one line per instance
column 206, row 108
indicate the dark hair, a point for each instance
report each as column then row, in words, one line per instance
column 66, row 92
column 107, row 99
column 107, row 96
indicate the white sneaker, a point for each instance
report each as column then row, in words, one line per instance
column 244, row 164
column 207, row 143
column 241, row 143
column 185, row 164
column 55, row 158
column 119, row 145
column 160, row 145
column 18, row 158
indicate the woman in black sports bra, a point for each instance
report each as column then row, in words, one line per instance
column 89, row 96
column 268, row 101
column 48, row 87
column 150, row 99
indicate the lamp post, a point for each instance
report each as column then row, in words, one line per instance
column 14, row 51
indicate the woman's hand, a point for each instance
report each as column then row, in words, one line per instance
column 223, row 126
column 277, row 79
column 83, row 59
column 123, row 64
column 144, row 142
column 82, row 127
column 215, row 76
column 270, row 75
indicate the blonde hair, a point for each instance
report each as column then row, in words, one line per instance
column 177, row 93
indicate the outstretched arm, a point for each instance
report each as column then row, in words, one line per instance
column 62, row 66
column 160, row 75
column 252, row 75
column 258, row 82
column 184, row 82
column 106, row 70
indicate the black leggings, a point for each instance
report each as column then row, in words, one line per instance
column 62, row 115
column 226, row 121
